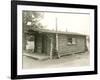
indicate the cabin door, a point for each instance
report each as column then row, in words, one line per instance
column 44, row 44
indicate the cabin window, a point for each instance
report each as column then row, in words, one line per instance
column 71, row 41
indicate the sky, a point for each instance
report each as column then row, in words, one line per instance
column 72, row 22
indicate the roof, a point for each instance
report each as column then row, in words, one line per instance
column 58, row 32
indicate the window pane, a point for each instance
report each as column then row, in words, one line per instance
column 73, row 41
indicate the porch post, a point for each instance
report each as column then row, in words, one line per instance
column 57, row 42
column 57, row 45
column 51, row 48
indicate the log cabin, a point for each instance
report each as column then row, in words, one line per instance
column 57, row 43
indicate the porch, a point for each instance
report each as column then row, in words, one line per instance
column 44, row 46
column 37, row 56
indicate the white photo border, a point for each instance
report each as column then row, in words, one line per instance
column 21, row 71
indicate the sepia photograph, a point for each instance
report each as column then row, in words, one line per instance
column 53, row 39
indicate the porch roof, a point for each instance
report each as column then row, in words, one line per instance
column 57, row 32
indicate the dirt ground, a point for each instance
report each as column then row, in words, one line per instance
column 74, row 60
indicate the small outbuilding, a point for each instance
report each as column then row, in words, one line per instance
column 57, row 43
